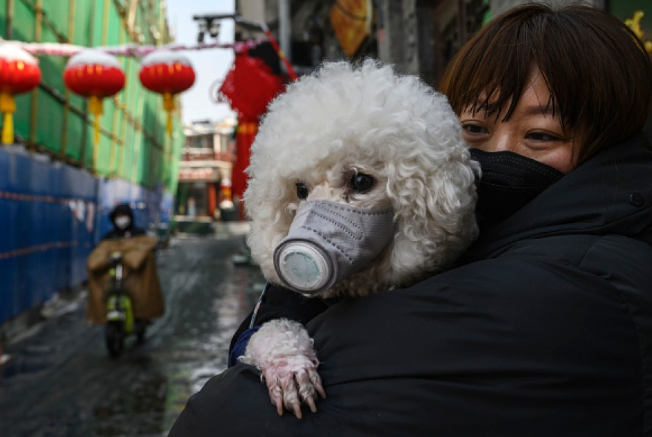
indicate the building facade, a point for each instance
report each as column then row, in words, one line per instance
column 204, row 190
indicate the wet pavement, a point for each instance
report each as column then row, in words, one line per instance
column 60, row 380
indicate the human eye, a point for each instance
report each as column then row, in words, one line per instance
column 473, row 128
column 543, row 136
column 474, row 133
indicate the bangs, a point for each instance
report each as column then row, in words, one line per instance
column 495, row 70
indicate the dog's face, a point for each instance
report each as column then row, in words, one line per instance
column 369, row 139
column 354, row 182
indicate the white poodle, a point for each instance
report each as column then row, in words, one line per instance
column 359, row 183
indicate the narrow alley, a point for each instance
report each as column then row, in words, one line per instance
column 60, row 380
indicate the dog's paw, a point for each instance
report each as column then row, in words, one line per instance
column 283, row 351
column 292, row 381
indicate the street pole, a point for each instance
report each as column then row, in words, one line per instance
column 285, row 33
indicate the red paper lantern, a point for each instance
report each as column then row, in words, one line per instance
column 19, row 73
column 167, row 73
column 96, row 75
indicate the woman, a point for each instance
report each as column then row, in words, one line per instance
column 545, row 326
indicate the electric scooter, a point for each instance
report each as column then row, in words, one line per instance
column 120, row 315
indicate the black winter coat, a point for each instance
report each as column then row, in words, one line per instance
column 544, row 330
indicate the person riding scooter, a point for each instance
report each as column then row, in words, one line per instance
column 138, row 274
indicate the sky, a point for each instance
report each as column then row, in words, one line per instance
column 210, row 65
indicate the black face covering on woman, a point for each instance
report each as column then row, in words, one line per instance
column 509, row 181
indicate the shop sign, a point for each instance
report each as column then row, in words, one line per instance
column 198, row 174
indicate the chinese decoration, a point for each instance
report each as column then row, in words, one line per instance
column 634, row 23
column 167, row 73
column 351, row 21
column 96, row 75
column 249, row 86
column 19, row 73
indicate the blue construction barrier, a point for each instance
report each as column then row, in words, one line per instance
column 51, row 217
column 145, row 203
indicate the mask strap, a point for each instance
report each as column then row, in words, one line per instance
column 260, row 301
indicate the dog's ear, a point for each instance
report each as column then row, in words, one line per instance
column 266, row 201
column 433, row 195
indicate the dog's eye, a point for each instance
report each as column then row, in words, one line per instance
column 302, row 190
column 361, row 182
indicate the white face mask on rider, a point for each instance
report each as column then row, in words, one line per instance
column 122, row 222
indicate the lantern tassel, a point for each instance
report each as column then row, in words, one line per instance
column 96, row 130
column 169, row 106
column 7, row 107
column 95, row 108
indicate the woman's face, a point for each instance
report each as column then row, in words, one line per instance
column 531, row 131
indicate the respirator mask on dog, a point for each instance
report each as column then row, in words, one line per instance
column 328, row 242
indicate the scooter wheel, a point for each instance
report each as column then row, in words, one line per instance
column 141, row 327
column 115, row 338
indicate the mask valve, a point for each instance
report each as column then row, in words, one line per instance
column 303, row 266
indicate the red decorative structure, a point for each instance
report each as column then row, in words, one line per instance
column 167, row 73
column 19, row 73
column 250, row 86
column 94, row 74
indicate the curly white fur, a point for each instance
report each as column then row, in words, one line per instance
column 341, row 120
column 331, row 125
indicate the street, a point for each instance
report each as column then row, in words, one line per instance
column 60, row 380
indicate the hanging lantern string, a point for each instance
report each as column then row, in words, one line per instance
column 279, row 52
column 131, row 50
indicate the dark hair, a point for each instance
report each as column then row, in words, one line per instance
column 121, row 209
column 597, row 70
